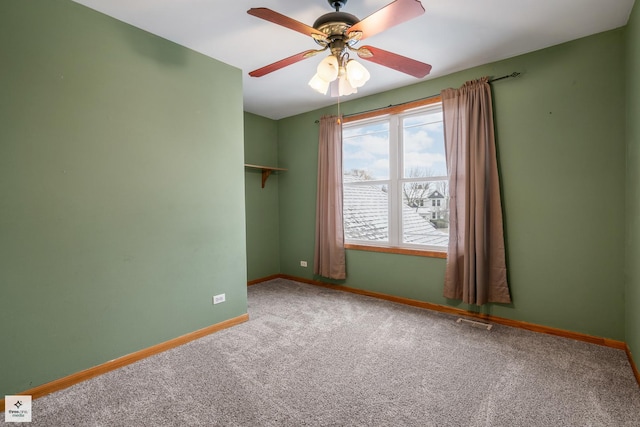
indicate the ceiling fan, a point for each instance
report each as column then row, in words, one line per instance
column 339, row 32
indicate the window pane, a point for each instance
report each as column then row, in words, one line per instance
column 398, row 160
column 425, row 213
column 423, row 146
column 366, row 151
column 366, row 212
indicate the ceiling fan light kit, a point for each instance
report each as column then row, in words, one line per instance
column 350, row 73
column 338, row 32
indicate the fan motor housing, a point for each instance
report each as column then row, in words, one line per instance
column 335, row 26
column 346, row 19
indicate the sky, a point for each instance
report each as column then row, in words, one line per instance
column 366, row 146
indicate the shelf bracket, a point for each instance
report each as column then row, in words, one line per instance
column 266, row 171
column 265, row 175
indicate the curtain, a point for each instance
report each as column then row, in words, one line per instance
column 476, row 271
column 329, row 257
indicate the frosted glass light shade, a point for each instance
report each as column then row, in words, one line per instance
column 319, row 84
column 356, row 74
column 328, row 68
column 344, row 87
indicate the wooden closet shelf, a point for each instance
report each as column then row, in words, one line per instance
column 266, row 171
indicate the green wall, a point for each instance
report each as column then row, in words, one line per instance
column 261, row 148
column 632, row 295
column 561, row 147
column 121, row 191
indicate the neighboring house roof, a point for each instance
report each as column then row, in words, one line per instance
column 436, row 195
column 365, row 217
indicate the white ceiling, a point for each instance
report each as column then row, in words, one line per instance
column 452, row 35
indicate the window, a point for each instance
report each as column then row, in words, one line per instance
column 392, row 163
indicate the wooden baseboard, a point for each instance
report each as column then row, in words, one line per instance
column 634, row 367
column 263, row 279
column 68, row 381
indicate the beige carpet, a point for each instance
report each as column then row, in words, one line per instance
column 311, row 356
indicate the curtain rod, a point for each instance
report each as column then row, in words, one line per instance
column 514, row 74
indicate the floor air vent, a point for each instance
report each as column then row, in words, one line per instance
column 487, row 326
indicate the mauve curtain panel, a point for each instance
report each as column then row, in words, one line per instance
column 329, row 257
column 476, row 270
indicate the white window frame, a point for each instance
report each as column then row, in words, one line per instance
column 396, row 180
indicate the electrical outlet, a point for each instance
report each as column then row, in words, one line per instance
column 217, row 299
column 303, row 263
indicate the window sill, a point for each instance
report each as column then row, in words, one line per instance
column 396, row 250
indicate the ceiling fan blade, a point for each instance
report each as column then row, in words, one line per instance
column 285, row 21
column 392, row 14
column 284, row 62
column 393, row 60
